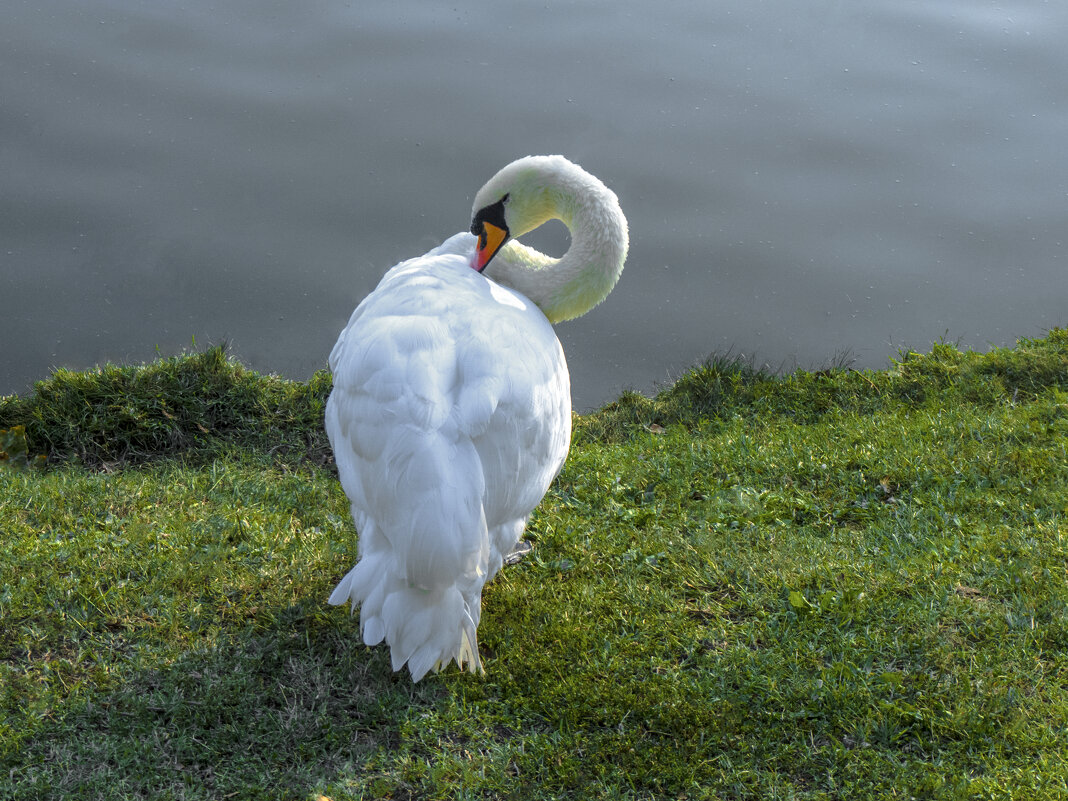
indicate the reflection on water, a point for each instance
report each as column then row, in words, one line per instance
column 858, row 176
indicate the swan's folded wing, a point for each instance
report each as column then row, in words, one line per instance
column 450, row 412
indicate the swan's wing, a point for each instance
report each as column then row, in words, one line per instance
column 450, row 415
column 524, row 442
column 416, row 488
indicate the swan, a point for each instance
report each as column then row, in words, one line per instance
column 450, row 413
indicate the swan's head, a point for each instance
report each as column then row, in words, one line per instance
column 534, row 190
column 519, row 198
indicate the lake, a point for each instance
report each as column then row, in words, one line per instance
column 804, row 183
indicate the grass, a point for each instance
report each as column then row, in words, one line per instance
column 832, row 585
column 194, row 406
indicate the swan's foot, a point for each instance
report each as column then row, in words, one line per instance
column 521, row 549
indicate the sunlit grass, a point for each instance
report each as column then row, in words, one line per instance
column 834, row 585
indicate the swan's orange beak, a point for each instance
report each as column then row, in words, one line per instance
column 490, row 240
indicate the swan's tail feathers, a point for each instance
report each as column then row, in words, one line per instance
column 343, row 591
column 429, row 629
column 425, row 629
column 469, row 646
column 366, row 586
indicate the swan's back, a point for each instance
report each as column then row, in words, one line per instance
column 449, row 418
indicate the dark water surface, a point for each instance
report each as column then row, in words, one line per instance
column 800, row 179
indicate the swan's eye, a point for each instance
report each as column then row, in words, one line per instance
column 506, row 198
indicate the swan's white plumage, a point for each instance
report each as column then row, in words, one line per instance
column 449, row 418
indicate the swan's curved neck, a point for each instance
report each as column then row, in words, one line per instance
column 570, row 286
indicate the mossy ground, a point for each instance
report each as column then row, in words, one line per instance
column 832, row 585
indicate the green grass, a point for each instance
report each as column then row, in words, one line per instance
column 832, row 585
column 190, row 407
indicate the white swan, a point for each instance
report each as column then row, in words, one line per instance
column 451, row 408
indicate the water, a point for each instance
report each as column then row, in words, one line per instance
column 800, row 180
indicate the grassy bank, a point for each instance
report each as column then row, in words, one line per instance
column 833, row 585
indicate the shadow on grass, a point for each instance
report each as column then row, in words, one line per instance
column 276, row 712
